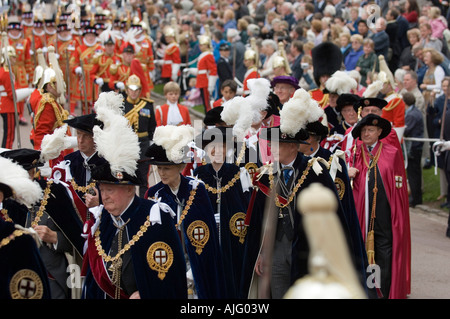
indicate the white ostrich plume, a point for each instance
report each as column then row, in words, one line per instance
column 340, row 82
column 174, row 140
column 25, row 190
column 53, row 144
column 117, row 142
column 107, row 102
column 373, row 89
column 298, row 111
column 231, row 109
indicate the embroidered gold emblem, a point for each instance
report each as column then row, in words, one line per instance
column 26, row 284
column 198, row 234
column 340, row 187
column 160, row 258
column 252, row 169
column 237, row 226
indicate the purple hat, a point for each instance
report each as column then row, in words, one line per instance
column 285, row 79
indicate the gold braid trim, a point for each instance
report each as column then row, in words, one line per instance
column 60, row 113
column 133, row 115
column 393, row 106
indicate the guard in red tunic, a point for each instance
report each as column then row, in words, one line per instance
column 206, row 71
column 381, row 199
column 85, row 53
column 171, row 63
column 251, row 59
column 23, row 67
column 6, row 100
column 145, row 57
column 106, row 59
column 49, row 114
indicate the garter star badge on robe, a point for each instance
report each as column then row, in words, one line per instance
column 340, row 187
column 26, row 284
column 160, row 258
column 237, row 226
column 198, row 234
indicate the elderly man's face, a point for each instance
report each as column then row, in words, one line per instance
column 116, row 197
column 370, row 134
column 283, row 91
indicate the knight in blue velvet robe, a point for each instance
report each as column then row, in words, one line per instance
column 154, row 266
column 196, row 224
column 300, row 247
column 25, row 268
column 81, row 164
column 230, row 206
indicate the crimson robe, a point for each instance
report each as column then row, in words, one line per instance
column 392, row 170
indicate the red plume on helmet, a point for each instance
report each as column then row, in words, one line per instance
column 136, row 68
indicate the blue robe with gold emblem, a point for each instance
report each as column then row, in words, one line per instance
column 232, row 205
column 199, row 236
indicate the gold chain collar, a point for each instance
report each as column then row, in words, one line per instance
column 226, row 187
column 300, row 181
column 44, row 202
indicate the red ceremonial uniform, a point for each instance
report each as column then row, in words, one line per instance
column 34, row 100
column 206, row 66
column 394, row 111
column 104, row 63
column 86, row 54
column 320, row 97
column 171, row 56
column 119, row 73
column 49, row 116
column 145, row 56
column 65, row 50
column 252, row 73
column 392, row 172
column 161, row 113
column 7, row 109
column 23, row 68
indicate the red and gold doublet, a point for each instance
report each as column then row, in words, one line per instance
column 86, row 54
column 320, row 97
column 49, row 116
column 65, row 50
column 104, row 63
column 24, row 64
column 394, row 111
column 119, row 73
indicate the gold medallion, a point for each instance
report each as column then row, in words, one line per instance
column 26, row 284
column 252, row 169
column 340, row 187
column 237, row 226
column 198, row 234
column 160, row 258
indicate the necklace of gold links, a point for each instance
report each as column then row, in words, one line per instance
column 126, row 247
column 44, row 202
column 226, row 187
column 241, row 155
column 300, row 181
column 186, row 208
column 82, row 189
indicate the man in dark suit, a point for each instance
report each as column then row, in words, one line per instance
column 296, row 50
column 224, row 69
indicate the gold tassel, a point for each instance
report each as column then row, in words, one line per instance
column 370, row 247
